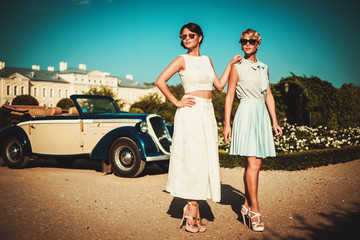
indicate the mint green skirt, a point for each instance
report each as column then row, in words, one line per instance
column 252, row 131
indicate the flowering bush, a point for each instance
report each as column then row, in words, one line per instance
column 300, row 138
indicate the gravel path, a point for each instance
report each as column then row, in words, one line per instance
column 46, row 201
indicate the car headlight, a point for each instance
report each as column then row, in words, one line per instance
column 143, row 127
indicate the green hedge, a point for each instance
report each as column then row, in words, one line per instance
column 297, row 160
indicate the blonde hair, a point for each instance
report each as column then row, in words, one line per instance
column 252, row 34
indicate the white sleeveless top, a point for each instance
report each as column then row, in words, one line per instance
column 253, row 80
column 198, row 73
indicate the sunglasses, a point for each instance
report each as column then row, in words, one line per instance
column 184, row 36
column 245, row 41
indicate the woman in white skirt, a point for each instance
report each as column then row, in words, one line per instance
column 251, row 135
column 194, row 172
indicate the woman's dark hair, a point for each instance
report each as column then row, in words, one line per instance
column 193, row 27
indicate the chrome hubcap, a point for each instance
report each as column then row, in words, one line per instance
column 126, row 157
column 14, row 151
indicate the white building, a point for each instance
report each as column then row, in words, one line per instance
column 49, row 86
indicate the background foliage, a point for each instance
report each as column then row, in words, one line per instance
column 321, row 123
column 65, row 103
column 313, row 102
column 307, row 101
column 25, row 100
column 105, row 91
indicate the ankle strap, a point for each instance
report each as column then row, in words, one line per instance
column 191, row 218
column 193, row 204
column 255, row 214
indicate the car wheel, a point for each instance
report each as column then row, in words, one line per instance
column 13, row 153
column 125, row 158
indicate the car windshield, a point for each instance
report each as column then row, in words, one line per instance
column 97, row 105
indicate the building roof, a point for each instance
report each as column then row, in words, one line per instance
column 73, row 70
column 53, row 76
column 33, row 75
column 124, row 82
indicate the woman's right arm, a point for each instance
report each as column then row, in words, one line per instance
column 229, row 99
column 174, row 67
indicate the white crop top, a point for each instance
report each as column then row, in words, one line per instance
column 198, row 74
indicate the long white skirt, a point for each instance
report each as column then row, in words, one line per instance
column 194, row 171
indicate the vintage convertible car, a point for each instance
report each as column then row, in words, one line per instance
column 95, row 129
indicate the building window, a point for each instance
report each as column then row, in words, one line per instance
column 35, row 92
column 44, row 92
column 59, row 93
column 15, row 90
column 7, row 90
column 22, row 92
column 66, row 93
column 51, row 92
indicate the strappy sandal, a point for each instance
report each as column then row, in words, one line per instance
column 193, row 228
column 245, row 213
column 202, row 227
column 256, row 226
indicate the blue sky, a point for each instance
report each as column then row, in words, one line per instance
column 305, row 37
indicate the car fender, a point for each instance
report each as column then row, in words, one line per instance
column 18, row 132
column 170, row 129
column 101, row 150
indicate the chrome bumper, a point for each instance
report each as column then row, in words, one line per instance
column 158, row 158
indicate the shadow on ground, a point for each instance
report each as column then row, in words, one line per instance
column 229, row 196
column 85, row 164
column 340, row 224
column 177, row 205
column 233, row 197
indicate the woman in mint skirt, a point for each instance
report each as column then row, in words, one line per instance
column 251, row 133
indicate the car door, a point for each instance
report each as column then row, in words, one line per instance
column 56, row 136
column 95, row 129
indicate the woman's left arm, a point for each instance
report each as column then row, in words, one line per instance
column 219, row 84
column 270, row 103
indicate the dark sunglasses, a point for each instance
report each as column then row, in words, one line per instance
column 184, row 36
column 245, row 41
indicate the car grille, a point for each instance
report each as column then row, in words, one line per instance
column 161, row 132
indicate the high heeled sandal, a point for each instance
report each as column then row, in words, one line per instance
column 193, row 228
column 256, row 226
column 202, row 227
column 245, row 214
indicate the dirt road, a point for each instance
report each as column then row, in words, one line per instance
column 46, row 201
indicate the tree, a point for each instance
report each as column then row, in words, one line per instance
column 280, row 107
column 308, row 100
column 25, row 100
column 152, row 103
column 65, row 103
column 105, row 91
column 348, row 105
column 149, row 103
column 302, row 100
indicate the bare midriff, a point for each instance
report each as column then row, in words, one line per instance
column 200, row 93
